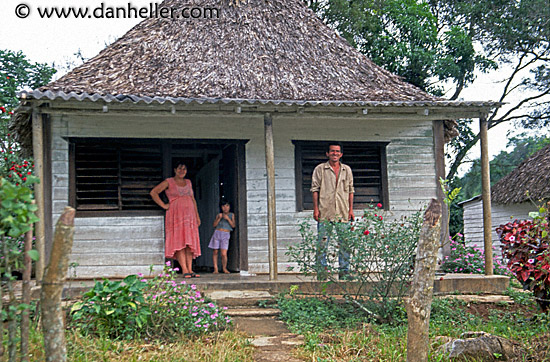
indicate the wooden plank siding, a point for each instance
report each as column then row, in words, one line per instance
column 410, row 170
column 500, row 214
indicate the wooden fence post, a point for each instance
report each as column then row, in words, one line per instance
column 53, row 329
column 419, row 302
column 26, row 297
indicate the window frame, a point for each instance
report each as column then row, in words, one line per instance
column 120, row 142
column 298, row 167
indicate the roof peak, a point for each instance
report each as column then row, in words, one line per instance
column 262, row 49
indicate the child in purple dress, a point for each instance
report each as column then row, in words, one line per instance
column 223, row 225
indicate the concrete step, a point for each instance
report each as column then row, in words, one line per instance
column 239, row 298
column 252, row 312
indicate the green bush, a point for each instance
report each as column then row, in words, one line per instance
column 317, row 314
column 160, row 308
column 113, row 309
column 381, row 259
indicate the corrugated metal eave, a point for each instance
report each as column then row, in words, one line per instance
column 39, row 95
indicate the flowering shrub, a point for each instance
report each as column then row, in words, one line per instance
column 160, row 308
column 469, row 259
column 381, row 258
column 525, row 245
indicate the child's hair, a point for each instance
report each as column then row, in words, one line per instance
column 224, row 202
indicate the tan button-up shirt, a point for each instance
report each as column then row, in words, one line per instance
column 333, row 193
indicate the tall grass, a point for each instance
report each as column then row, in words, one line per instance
column 359, row 339
column 217, row 347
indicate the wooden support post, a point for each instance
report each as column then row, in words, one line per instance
column 419, row 303
column 38, row 155
column 271, row 210
column 439, row 152
column 486, row 196
column 26, row 297
column 52, row 288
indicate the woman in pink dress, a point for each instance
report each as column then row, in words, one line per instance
column 182, row 219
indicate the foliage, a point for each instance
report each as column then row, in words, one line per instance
column 469, row 259
column 515, row 34
column 353, row 339
column 17, row 73
column 381, row 259
column 406, row 38
column 159, row 308
column 317, row 314
column 525, row 244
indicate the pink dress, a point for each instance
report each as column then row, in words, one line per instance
column 181, row 224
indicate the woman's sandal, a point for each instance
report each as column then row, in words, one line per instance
column 193, row 275
column 187, row 275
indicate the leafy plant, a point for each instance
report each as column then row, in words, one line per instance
column 381, row 258
column 317, row 314
column 159, row 308
column 469, row 259
column 526, row 245
column 111, row 309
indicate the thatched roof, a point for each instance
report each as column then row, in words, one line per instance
column 276, row 49
column 531, row 175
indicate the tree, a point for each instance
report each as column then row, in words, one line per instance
column 450, row 42
column 516, row 34
column 16, row 74
column 407, row 38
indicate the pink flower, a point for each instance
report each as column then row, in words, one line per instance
column 531, row 261
column 379, row 205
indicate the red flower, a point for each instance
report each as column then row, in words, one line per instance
column 24, row 179
column 29, row 173
column 366, row 232
column 379, row 205
column 380, row 217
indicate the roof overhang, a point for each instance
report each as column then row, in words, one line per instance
column 50, row 102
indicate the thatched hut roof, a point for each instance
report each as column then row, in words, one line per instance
column 532, row 175
column 276, row 50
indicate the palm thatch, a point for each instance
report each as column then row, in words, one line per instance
column 530, row 180
column 276, row 49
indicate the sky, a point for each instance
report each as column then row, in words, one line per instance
column 56, row 41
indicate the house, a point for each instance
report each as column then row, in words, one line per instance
column 512, row 197
column 218, row 92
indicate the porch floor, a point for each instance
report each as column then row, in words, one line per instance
column 208, row 283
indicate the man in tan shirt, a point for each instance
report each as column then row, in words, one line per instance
column 332, row 188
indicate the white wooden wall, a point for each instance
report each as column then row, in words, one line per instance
column 411, row 174
column 500, row 214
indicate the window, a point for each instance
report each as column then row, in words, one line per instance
column 116, row 174
column 366, row 159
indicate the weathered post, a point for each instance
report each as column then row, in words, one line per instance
column 271, row 209
column 419, row 302
column 38, row 155
column 52, row 288
column 26, row 296
column 486, row 195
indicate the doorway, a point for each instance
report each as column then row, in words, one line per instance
column 216, row 169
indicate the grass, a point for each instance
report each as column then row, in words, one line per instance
column 218, row 347
column 347, row 335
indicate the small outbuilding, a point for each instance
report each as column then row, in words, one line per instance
column 512, row 197
column 247, row 96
